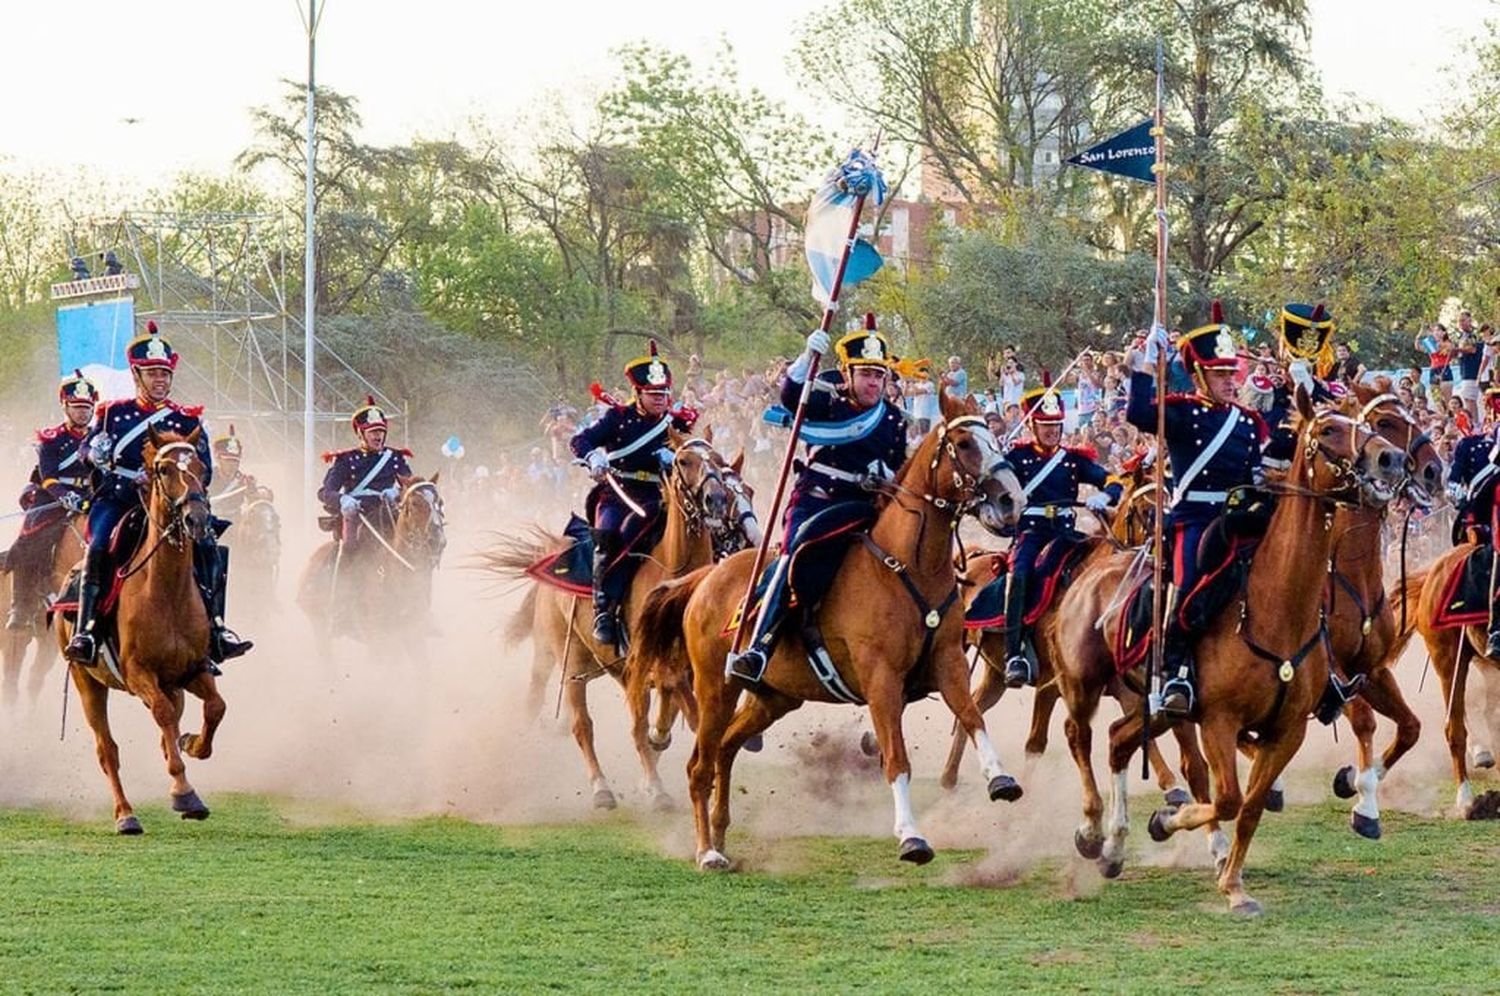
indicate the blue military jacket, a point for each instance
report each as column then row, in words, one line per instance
column 1192, row 423
column 125, row 424
column 621, row 428
column 349, row 470
column 60, row 467
column 1471, row 457
column 1050, row 498
column 845, row 441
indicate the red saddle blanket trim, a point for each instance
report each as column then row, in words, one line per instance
column 1048, row 591
column 106, row 604
column 549, row 572
column 1452, row 620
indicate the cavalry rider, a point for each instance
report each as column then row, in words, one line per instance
column 1304, row 331
column 856, row 441
column 1050, row 474
column 362, row 479
column 116, row 449
column 1472, row 480
column 626, row 452
column 1214, row 451
column 59, row 486
column 236, row 486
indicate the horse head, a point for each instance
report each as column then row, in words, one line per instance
column 1343, row 459
column 967, row 468
column 695, row 484
column 420, row 525
column 1390, row 419
column 177, row 497
column 743, row 524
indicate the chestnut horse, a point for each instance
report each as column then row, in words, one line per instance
column 1362, row 626
column 1242, row 694
column 257, row 549
column 560, row 624
column 890, row 621
column 14, row 643
column 161, row 629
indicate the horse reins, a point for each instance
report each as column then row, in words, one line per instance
column 172, row 530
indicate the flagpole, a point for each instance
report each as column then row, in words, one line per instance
column 1156, row 663
column 829, row 310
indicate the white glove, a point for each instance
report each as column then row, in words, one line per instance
column 665, row 458
column 597, row 463
column 349, row 506
column 99, row 449
column 1300, row 373
column 817, row 342
column 1096, row 502
column 1156, row 344
column 392, row 493
column 71, row 501
column 1457, row 492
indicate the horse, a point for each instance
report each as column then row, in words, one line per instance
column 1362, row 626
column 697, row 504
column 14, row 643
column 890, row 622
column 369, row 587
column 1246, row 692
column 257, row 547
column 161, row 630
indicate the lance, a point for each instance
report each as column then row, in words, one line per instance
column 830, row 309
column 1156, row 662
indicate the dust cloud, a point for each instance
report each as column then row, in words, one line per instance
column 441, row 726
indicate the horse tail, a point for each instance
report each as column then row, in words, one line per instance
column 509, row 556
column 658, row 635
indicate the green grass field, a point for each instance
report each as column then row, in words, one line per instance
column 270, row 897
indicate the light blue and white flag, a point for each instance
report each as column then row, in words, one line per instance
column 828, row 218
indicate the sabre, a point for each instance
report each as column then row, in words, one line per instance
column 619, row 491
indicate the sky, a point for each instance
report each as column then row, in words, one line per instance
column 152, row 88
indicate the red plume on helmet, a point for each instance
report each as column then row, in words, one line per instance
column 870, row 321
column 1216, row 312
column 150, row 327
column 1319, row 312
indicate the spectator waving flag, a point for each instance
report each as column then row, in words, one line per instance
column 829, row 217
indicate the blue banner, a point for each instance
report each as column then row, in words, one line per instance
column 1131, row 153
column 92, row 336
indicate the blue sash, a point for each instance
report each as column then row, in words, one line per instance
column 830, row 433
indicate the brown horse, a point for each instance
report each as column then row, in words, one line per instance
column 1452, row 650
column 256, row 539
column 370, row 587
column 559, row 624
column 1362, row 626
column 1244, row 697
column 14, row 643
column 161, row 629
column 890, row 621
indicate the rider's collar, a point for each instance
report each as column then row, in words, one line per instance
column 149, row 406
column 1044, row 450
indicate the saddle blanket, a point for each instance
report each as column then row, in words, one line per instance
column 1130, row 639
column 1054, row 569
column 1466, row 593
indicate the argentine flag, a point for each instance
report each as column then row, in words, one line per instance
column 828, row 219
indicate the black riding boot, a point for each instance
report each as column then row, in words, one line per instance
column 1178, row 681
column 1017, row 664
column 606, row 626
column 211, row 570
column 750, row 663
column 1492, row 645
column 82, row 648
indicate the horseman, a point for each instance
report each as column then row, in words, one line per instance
column 1472, row 481
column 116, row 449
column 1214, row 450
column 365, row 479
column 59, row 486
column 1050, row 474
column 626, row 452
column 1305, row 331
column 856, row 442
column 236, row 487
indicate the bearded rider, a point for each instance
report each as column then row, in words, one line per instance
column 115, row 447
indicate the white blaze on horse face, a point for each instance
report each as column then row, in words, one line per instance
column 906, row 820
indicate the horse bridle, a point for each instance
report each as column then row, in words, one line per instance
column 1415, row 439
column 966, row 484
column 174, row 530
column 1344, row 468
column 690, row 498
column 435, row 520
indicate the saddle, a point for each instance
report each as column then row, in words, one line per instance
column 1466, row 592
column 571, row 569
column 124, row 543
column 1054, row 571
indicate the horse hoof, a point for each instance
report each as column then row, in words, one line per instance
column 190, row 806
column 1364, row 826
column 869, row 744
column 1485, row 807
column 662, row 803
column 755, row 744
column 604, row 799
column 1275, row 801
column 1343, row 782
column 1112, row 867
column 1004, row 787
column 1177, row 796
column 916, row 850
column 661, row 745
column 1483, row 758
column 947, row 781
column 1088, row 847
column 1247, row 907
column 712, row 860
column 1157, row 825
column 129, row 826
